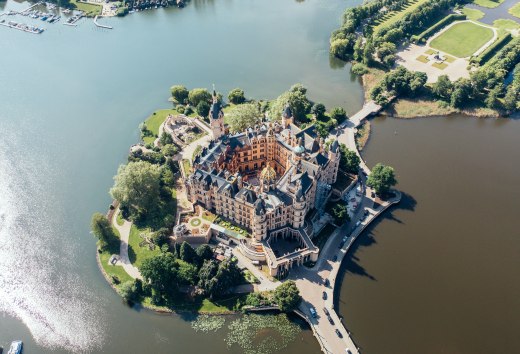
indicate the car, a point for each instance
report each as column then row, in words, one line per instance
column 312, row 310
column 331, row 321
column 326, row 311
column 358, row 223
column 324, row 296
column 335, row 258
column 327, row 282
column 345, row 238
column 338, row 333
column 341, row 245
column 348, row 351
column 366, row 212
column 373, row 195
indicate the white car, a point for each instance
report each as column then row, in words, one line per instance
column 358, row 223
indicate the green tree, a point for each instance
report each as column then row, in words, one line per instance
column 349, row 161
column 236, row 96
column 287, row 296
column 126, row 290
column 340, row 213
column 165, row 139
column 338, row 114
column 359, row 69
column 179, row 93
column 298, row 88
column 188, row 254
column 243, row 116
column 204, row 252
column 197, row 95
column 381, row 179
column 511, row 98
column 318, row 110
column 137, row 186
column 187, row 273
column 443, row 88
column 103, row 231
column 299, row 103
column 169, row 150
column 492, row 100
column 203, row 108
column 386, row 53
column 161, row 272
column 207, row 272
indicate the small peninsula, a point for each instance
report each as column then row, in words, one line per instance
column 433, row 57
column 240, row 205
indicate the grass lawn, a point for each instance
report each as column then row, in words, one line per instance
column 186, row 165
column 394, row 16
column 488, row 3
column 462, row 39
column 515, row 10
column 136, row 253
column 119, row 219
column 450, row 59
column 89, row 9
column 430, row 51
column 472, row 14
column 441, row 66
column 423, row 58
column 113, row 270
column 208, row 216
column 506, row 24
column 154, row 121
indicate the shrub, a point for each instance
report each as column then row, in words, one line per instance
column 359, row 69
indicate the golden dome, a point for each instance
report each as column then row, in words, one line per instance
column 268, row 173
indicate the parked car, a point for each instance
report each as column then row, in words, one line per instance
column 335, row 258
column 358, row 223
column 338, row 333
column 324, row 296
column 373, row 195
column 312, row 310
column 327, row 282
column 331, row 321
column 326, row 311
column 348, row 351
column 341, row 244
column 366, row 212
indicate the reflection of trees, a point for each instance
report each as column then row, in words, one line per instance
column 300, row 0
column 202, row 3
column 336, row 63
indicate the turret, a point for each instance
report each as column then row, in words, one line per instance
column 216, row 117
column 287, row 117
column 260, row 220
column 299, row 206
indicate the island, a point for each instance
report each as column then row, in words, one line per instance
column 433, row 57
column 242, row 205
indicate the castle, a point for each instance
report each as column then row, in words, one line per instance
column 266, row 179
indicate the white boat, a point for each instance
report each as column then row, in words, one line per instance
column 16, row 347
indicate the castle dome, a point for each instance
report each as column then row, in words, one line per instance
column 268, row 173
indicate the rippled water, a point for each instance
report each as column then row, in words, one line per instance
column 71, row 100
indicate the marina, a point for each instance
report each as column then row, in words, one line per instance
column 22, row 27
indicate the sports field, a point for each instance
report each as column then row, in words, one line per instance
column 462, row 39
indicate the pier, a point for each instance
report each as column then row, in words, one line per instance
column 100, row 25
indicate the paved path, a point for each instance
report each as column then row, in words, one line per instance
column 124, row 232
column 265, row 283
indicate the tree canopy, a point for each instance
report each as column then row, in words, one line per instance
column 103, row 231
column 340, row 213
column 161, row 272
column 179, row 93
column 296, row 99
column 338, row 114
column 349, row 161
column 236, row 96
column 137, row 186
column 381, row 179
column 198, row 95
column 243, row 116
column 287, row 296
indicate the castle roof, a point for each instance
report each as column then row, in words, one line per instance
column 268, row 173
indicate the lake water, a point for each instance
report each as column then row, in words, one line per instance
column 71, row 100
column 440, row 272
column 442, row 275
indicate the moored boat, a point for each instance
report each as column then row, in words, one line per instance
column 16, row 347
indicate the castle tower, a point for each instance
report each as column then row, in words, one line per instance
column 216, row 117
column 259, row 220
column 299, row 205
column 287, row 117
column 334, row 157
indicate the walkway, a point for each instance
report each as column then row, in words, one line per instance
column 265, row 283
column 124, row 232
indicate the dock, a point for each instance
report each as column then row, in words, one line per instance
column 22, row 27
column 100, row 25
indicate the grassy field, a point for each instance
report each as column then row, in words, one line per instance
column 472, row 14
column 423, row 58
column 506, row 24
column 515, row 10
column 88, row 9
column 462, row 39
column 111, row 270
column 394, row 16
column 441, row 66
column 136, row 253
column 154, row 121
column 488, row 3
